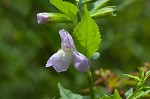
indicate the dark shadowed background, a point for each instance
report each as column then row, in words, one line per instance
column 25, row 47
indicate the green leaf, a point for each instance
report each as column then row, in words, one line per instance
column 142, row 73
column 96, row 55
column 98, row 4
column 87, row 34
column 106, row 97
column 147, row 74
column 146, row 88
column 115, row 96
column 84, row 1
column 103, row 12
column 67, row 8
column 53, row 97
column 141, row 93
column 132, row 76
column 67, row 94
column 129, row 92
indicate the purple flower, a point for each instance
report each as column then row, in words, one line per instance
column 63, row 58
column 42, row 17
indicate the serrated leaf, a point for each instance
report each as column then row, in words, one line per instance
column 129, row 92
column 132, row 76
column 87, row 34
column 67, row 94
column 98, row 4
column 67, row 8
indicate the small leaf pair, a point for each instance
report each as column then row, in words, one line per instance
column 141, row 89
column 97, row 10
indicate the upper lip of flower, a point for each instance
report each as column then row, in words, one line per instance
column 62, row 59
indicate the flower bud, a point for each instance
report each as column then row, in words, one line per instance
column 52, row 17
column 42, row 18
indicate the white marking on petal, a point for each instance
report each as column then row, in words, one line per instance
column 61, row 60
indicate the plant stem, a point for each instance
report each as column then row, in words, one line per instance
column 136, row 91
column 90, row 80
column 132, row 96
column 91, row 87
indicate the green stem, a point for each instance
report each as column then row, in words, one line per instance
column 132, row 96
column 90, row 80
column 139, row 88
column 91, row 87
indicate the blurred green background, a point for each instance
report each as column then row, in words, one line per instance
column 25, row 47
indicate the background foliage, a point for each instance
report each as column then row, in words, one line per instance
column 25, row 47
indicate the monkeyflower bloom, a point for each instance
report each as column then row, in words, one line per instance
column 63, row 58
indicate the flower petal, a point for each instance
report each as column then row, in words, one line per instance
column 51, row 59
column 42, row 17
column 81, row 63
column 60, row 60
column 66, row 40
